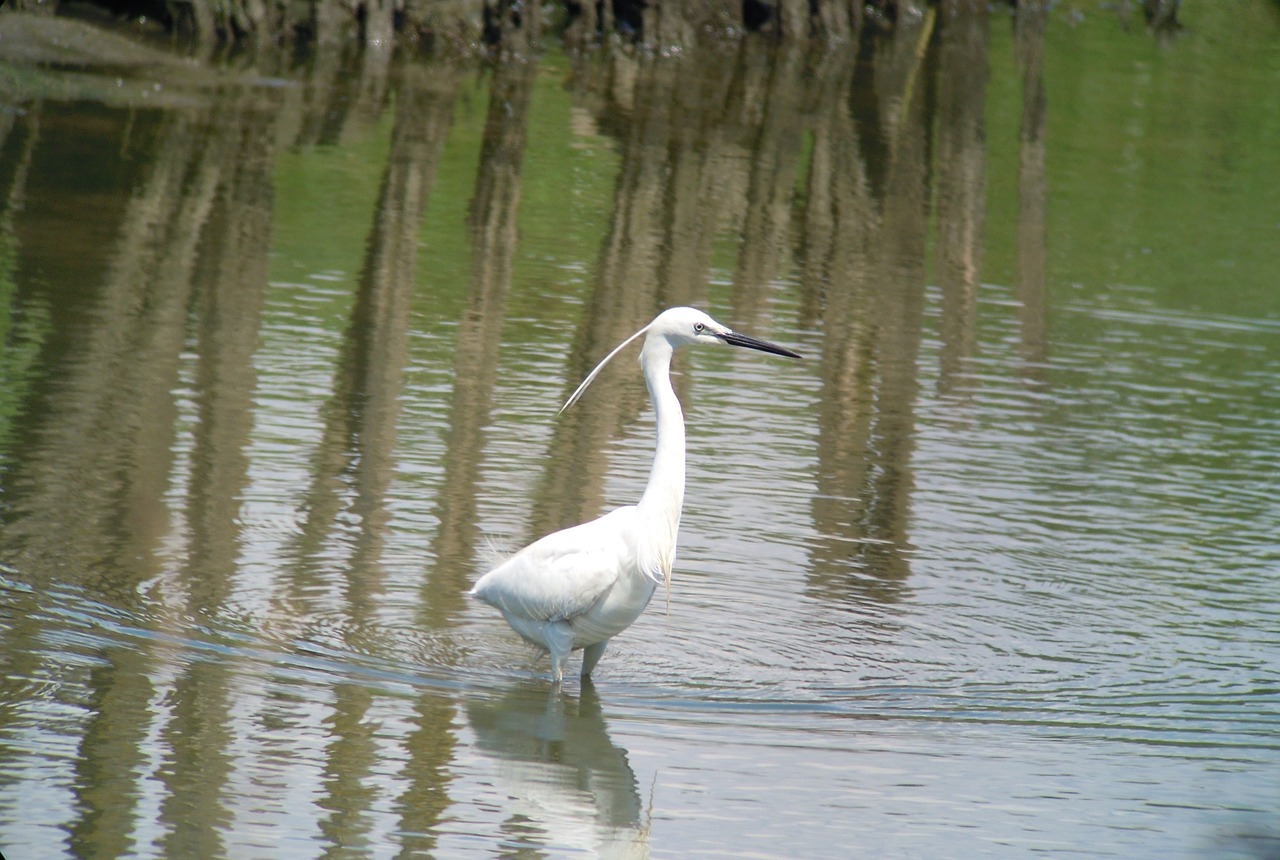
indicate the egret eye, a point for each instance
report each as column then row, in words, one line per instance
column 698, row 327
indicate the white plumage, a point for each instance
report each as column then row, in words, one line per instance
column 579, row 587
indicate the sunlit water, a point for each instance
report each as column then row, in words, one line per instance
column 987, row 578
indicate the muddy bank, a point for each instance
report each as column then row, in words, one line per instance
column 510, row 24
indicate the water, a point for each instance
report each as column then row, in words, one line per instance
column 991, row 573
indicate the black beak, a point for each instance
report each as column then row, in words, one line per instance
column 732, row 337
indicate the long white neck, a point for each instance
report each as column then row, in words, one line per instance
column 664, row 495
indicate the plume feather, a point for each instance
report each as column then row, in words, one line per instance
column 573, row 398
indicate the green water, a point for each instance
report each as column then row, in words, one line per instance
column 993, row 572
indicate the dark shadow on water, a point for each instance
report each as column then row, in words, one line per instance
column 1031, row 20
column 491, row 228
column 865, row 228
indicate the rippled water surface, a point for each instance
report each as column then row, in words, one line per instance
column 992, row 572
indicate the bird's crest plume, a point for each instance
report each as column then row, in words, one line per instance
column 573, row 398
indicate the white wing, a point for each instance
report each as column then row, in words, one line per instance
column 563, row 574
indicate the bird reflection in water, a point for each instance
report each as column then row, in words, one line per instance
column 568, row 786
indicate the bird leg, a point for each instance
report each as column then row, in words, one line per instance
column 591, row 656
column 559, row 636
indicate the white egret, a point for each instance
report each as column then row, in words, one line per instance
column 577, row 588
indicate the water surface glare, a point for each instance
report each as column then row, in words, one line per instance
column 991, row 573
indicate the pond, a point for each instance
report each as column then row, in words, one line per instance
column 994, row 571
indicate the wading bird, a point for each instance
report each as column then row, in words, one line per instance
column 579, row 587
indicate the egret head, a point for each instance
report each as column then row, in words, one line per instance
column 683, row 327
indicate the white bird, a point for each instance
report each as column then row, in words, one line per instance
column 579, row 587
